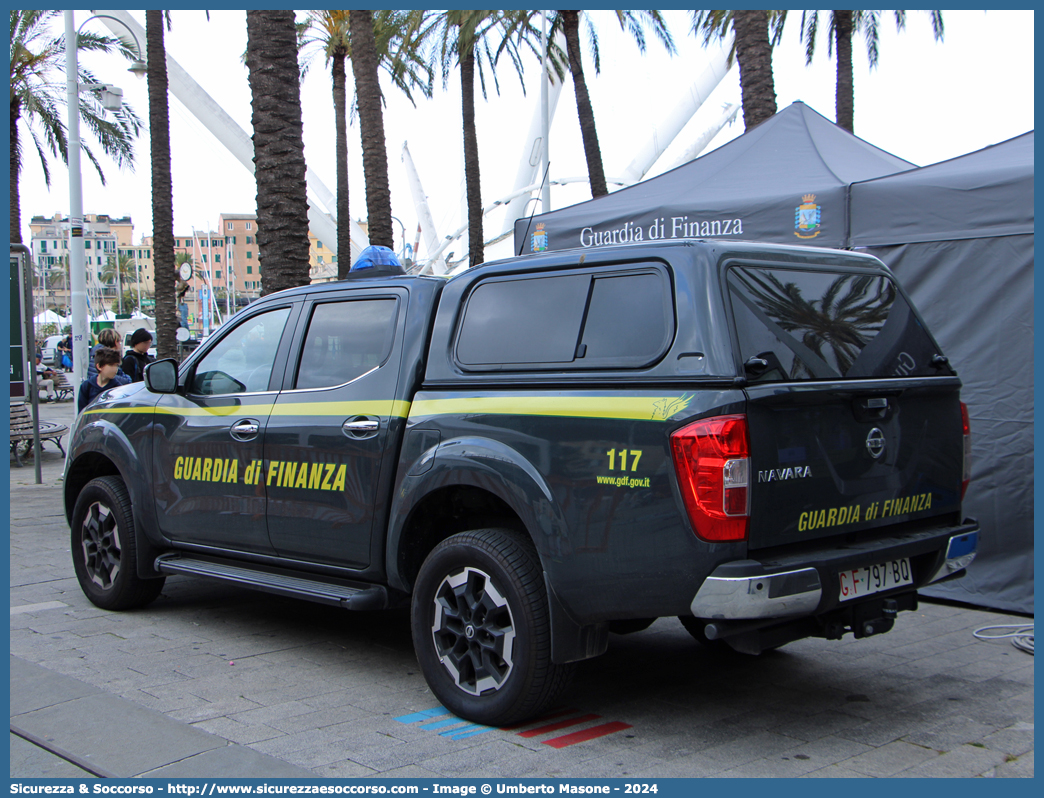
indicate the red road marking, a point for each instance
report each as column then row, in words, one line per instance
column 541, row 719
column 562, row 724
column 587, row 734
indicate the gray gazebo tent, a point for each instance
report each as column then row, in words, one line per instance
column 751, row 188
column 959, row 235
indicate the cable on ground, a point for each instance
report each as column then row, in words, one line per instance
column 1021, row 636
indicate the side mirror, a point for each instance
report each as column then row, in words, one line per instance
column 162, row 376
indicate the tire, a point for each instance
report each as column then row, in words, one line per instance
column 481, row 628
column 104, row 548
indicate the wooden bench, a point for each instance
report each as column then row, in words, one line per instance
column 62, row 387
column 22, row 431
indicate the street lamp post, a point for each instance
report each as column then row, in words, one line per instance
column 77, row 266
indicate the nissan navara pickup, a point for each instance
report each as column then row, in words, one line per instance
column 764, row 441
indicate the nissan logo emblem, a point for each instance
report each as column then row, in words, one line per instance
column 875, row 443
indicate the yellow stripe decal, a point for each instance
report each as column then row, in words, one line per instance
column 377, row 407
column 656, row 408
column 642, row 408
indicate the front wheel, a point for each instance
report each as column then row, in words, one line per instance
column 104, row 548
column 481, row 628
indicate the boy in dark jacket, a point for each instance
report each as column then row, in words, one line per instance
column 107, row 361
column 138, row 355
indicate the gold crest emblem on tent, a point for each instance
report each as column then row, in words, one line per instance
column 807, row 216
column 539, row 238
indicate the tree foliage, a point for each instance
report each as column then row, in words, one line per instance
column 38, row 102
column 569, row 22
column 756, row 32
column 842, row 26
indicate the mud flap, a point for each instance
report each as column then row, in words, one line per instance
column 571, row 641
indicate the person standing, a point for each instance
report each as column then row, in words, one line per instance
column 107, row 375
column 138, row 357
column 108, row 338
column 65, row 351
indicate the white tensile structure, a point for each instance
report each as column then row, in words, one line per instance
column 322, row 206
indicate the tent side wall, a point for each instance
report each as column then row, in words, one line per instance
column 976, row 296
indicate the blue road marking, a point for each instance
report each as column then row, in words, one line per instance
column 467, row 731
column 441, row 724
column 425, row 715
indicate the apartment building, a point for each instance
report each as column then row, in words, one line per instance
column 104, row 237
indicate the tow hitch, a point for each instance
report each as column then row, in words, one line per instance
column 870, row 618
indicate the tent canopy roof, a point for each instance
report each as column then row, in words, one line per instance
column 758, row 178
column 983, row 194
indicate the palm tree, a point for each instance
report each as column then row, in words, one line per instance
column 162, row 187
column 397, row 51
column 842, row 26
column 333, row 36
column 37, row 64
column 569, row 21
column 279, row 163
column 117, row 270
column 371, row 127
column 752, row 48
column 475, row 40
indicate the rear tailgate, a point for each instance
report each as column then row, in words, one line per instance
column 841, row 458
column 854, row 415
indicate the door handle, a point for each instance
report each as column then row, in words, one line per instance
column 361, row 427
column 245, row 429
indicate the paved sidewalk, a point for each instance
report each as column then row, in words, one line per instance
column 213, row 680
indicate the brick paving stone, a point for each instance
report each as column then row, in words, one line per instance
column 814, row 727
column 237, row 732
column 834, row 772
column 1015, row 740
column 890, row 759
column 963, row 762
column 1017, row 768
column 951, row 733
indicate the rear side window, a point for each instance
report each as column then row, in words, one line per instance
column 601, row 320
column 346, row 340
column 809, row 325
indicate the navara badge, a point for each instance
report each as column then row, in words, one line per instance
column 875, row 443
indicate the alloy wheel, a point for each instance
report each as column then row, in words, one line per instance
column 101, row 545
column 474, row 631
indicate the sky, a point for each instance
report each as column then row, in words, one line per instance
column 926, row 102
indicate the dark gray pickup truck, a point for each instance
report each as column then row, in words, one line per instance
column 763, row 441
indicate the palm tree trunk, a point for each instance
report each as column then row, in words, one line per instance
column 593, row 153
column 476, row 250
column 279, row 164
column 16, row 208
column 162, row 188
column 754, row 53
column 344, row 219
column 844, row 99
column 371, row 128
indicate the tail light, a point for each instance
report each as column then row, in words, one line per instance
column 712, row 462
column 966, row 474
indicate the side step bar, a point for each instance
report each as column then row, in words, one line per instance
column 368, row 597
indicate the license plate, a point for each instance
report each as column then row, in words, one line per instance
column 870, row 579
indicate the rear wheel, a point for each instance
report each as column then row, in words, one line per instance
column 104, row 548
column 481, row 628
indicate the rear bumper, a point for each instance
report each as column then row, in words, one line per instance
column 785, row 585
